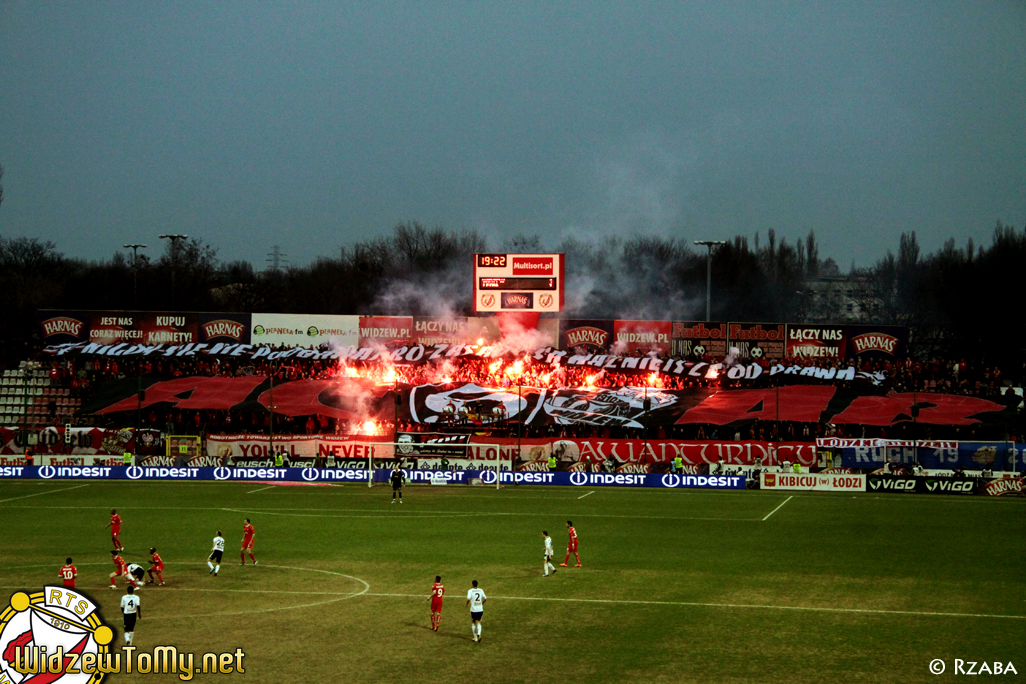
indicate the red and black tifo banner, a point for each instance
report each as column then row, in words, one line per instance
column 630, row 407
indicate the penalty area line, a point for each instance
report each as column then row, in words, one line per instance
column 52, row 491
column 811, row 609
column 259, row 490
column 584, row 495
column 777, row 508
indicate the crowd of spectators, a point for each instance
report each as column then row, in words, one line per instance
column 84, row 376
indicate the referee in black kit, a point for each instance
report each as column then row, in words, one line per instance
column 397, row 483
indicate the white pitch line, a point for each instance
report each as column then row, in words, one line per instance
column 52, row 491
column 584, row 495
column 396, row 514
column 261, row 489
column 341, row 597
column 777, row 508
column 736, row 605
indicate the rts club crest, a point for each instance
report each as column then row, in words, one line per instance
column 52, row 635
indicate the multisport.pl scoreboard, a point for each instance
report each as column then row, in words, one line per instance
column 518, row 282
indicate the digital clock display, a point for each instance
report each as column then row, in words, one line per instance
column 491, row 261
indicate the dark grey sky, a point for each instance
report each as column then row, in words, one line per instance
column 315, row 124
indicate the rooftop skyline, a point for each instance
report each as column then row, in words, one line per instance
column 315, row 124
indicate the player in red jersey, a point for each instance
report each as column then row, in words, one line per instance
column 437, row 592
column 157, row 567
column 120, row 568
column 571, row 546
column 115, row 530
column 68, row 573
column 248, row 533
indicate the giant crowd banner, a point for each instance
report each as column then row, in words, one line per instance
column 436, row 405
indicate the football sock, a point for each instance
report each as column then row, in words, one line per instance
column 252, row 557
column 210, row 565
column 242, row 557
column 217, row 568
column 160, row 577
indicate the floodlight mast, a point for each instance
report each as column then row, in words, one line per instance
column 708, row 273
column 174, row 260
column 135, row 272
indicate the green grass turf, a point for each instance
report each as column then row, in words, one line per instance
column 677, row 586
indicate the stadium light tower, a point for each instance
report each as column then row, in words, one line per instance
column 708, row 273
column 174, row 260
column 135, row 273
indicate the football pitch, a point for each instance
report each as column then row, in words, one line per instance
column 676, row 586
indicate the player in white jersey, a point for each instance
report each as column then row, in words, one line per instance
column 476, row 599
column 547, row 558
column 130, row 610
column 135, row 575
column 214, row 560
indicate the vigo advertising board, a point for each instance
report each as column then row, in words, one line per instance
column 920, row 485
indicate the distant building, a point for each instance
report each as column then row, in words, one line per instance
column 839, row 299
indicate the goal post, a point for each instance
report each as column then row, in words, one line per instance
column 403, row 450
column 187, row 446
